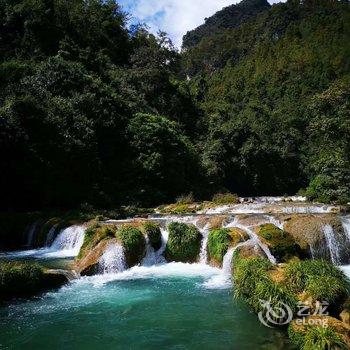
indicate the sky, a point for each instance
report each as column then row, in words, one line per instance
column 175, row 17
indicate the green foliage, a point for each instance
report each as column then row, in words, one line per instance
column 165, row 159
column 225, row 198
column 229, row 17
column 94, row 234
column 274, row 96
column 319, row 279
column 183, row 244
column 152, row 230
column 218, row 243
column 281, row 244
column 185, row 199
column 20, row 279
column 134, row 244
column 253, row 284
column 317, row 338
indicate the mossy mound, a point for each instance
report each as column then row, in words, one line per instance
column 26, row 280
column 134, row 244
column 318, row 280
column 225, row 199
column 152, row 230
column 180, row 208
column 183, row 244
column 253, row 284
column 281, row 244
column 94, row 234
column 319, row 333
column 220, row 240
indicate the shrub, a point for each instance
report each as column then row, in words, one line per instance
column 316, row 338
column 185, row 199
column 184, row 243
column 218, row 243
column 152, row 230
column 20, row 279
column 134, row 244
column 225, row 198
column 253, row 284
column 318, row 278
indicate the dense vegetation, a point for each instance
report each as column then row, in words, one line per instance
column 93, row 112
column 134, row 244
column 25, row 280
column 184, row 243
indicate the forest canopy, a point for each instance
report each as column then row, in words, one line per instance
column 94, row 111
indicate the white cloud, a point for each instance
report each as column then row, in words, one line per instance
column 175, row 17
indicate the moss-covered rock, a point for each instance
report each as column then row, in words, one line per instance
column 254, row 284
column 94, row 234
column 319, row 333
column 152, row 230
column 134, row 244
column 317, row 280
column 26, row 280
column 281, row 244
column 220, row 240
column 225, row 198
column 183, row 244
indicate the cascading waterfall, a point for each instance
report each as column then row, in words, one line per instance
column 31, row 232
column 346, row 225
column 203, row 256
column 332, row 244
column 50, row 236
column 112, row 260
column 70, row 239
column 254, row 238
column 227, row 261
column 155, row 257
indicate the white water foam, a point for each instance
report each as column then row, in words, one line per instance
column 66, row 245
column 332, row 244
column 172, row 269
column 112, row 260
column 254, row 238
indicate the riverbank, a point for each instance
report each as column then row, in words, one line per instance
column 204, row 242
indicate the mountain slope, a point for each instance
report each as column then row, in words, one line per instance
column 229, row 17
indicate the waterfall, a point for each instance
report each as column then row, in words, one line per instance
column 227, row 261
column 203, row 255
column 332, row 244
column 254, row 238
column 31, row 233
column 346, row 226
column 50, row 236
column 69, row 239
column 155, row 257
column 272, row 220
column 112, row 260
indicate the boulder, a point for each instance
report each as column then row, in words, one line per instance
column 184, row 243
column 250, row 251
column 88, row 264
column 308, row 232
column 281, row 244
